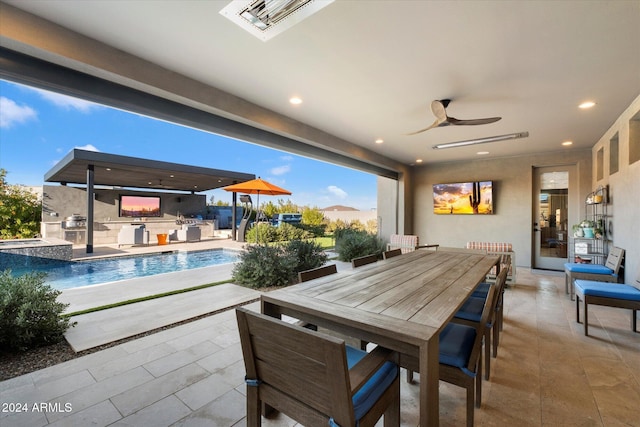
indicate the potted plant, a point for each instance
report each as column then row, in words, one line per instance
column 578, row 231
column 588, row 227
column 598, row 232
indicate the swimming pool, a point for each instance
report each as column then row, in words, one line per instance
column 73, row 274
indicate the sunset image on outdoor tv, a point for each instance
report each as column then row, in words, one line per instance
column 139, row 206
column 464, row 198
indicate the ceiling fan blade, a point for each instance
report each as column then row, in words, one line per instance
column 438, row 108
column 458, row 122
column 433, row 125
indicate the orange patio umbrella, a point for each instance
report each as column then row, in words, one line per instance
column 257, row 186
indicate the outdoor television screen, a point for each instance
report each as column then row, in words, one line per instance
column 139, row 206
column 463, row 198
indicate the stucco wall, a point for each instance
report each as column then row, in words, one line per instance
column 512, row 195
column 624, row 186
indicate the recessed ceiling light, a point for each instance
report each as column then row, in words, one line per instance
column 295, row 100
column 379, row 141
column 566, row 143
column 482, row 153
column 171, row 176
column 418, row 160
column 586, row 104
column 108, row 169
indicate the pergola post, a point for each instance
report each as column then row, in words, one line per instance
column 90, row 180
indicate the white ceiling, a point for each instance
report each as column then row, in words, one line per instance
column 370, row 69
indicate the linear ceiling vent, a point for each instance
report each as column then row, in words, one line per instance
column 267, row 18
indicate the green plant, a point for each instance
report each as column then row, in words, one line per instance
column 352, row 243
column 30, row 316
column 308, row 254
column 262, row 265
column 587, row 223
column 20, row 211
column 266, row 233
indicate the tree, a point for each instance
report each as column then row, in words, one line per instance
column 312, row 216
column 20, row 211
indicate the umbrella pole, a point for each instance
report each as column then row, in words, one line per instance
column 258, row 219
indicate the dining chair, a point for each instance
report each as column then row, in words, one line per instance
column 314, row 378
column 391, row 253
column 471, row 312
column 364, row 260
column 460, row 357
column 315, row 273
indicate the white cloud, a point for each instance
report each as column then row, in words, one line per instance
column 287, row 158
column 337, row 191
column 280, row 170
column 12, row 113
column 88, row 147
column 67, row 102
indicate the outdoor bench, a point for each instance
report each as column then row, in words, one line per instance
column 507, row 255
column 609, row 294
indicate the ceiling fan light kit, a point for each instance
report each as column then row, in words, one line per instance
column 488, row 139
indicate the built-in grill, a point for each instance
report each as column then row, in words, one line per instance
column 74, row 221
column 74, row 229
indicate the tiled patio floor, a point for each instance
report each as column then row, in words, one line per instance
column 547, row 374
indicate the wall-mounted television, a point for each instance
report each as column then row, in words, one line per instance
column 139, row 206
column 463, row 198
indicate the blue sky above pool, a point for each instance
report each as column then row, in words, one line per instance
column 37, row 129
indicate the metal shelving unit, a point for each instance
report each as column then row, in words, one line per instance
column 593, row 248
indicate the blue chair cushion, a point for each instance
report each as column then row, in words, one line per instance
column 369, row 394
column 608, row 290
column 482, row 290
column 587, row 268
column 456, row 343
column 471, row 309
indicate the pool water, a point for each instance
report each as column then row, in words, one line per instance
column 73, row 274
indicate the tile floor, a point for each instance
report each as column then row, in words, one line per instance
column 547, row 374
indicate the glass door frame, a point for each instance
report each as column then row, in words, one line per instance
column 539, row 261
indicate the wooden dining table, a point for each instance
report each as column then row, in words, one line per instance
column 401, row 303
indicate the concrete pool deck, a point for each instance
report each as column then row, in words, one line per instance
column 106, row 326
column 114, row 324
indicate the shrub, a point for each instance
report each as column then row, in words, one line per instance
column 352, row 243
column 291, row 232
column 308, row 254
column 266, row 233
column 29, row 314
column 264, row 266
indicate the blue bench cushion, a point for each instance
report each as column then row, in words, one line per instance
column 369, row 394
column 608, row 290
column 456, row 343
column 587, row 268
column 471, row 309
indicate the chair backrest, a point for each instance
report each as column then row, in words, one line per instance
column 363, row 260
column 315, row 273
column 391, row 253
column 406, row 243
column 487, row 313
column 501, row 283
column 614, row 260
column 299, row 372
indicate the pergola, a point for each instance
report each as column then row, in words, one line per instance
column 92, row 168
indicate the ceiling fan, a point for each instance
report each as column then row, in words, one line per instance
column 442, row 119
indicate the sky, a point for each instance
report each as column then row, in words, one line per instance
column 38, row 128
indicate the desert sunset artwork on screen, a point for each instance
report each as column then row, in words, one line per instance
column 463, row 198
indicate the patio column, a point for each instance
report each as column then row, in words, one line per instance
column 234, row 203
column 89, row 237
